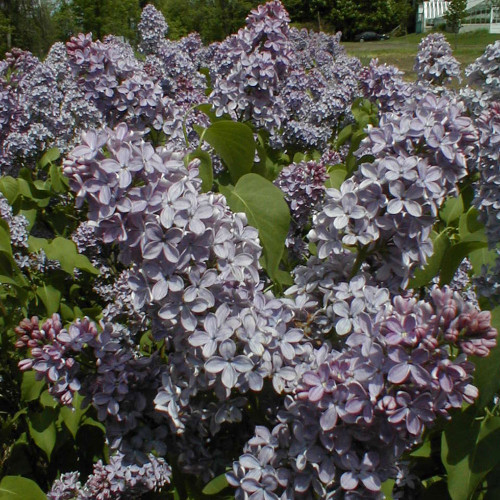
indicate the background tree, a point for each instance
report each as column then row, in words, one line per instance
column 455, row 14
column 27, row 24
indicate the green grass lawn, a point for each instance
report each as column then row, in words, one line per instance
column 401, row 51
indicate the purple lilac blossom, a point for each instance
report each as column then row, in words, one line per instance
column 303, row 186
column 248, row 67
column 117, row 480
column 486, row 199
column 485, row 73
column 354, row 412
column 194, row 274
column 435, row 62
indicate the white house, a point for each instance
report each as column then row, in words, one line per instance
column 481, row 14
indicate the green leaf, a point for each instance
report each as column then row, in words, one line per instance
column 58, row 180
column 20, row 488
column 454, row 257
column 47, row 400
column 66, row 312
column 30, row 387
column 9, row 188
column 50, row 156
column 42, row 428
column 234, row 143
column 93, row 423
column 469, row 224
column 51, row 298
column 205, row 169
column 469, row 450
column 266, row 209
column 387, row 487
column 72, row 417
column 216, row 485
column 64, row 251
column 423, row 451
column 437, row 490
column 344, row 136
column 486, row 377
column 452, row 209
column 483, row 257
column 5, row 245
column 337, row 174
column 424, row 276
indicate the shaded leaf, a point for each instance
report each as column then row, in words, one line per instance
column 486, row 375
column 30, row 387
column 266, row 209
column 20, row 488
column 205, row 169
column 216, row 485
column 72, row 417
column 51, row 298
column 422, row 277
column 454, row 257
column 9, row 188
column 64, row 251
column 47, row 400
column 337, row 175
column 42, row 429
column 50, row 156
column 469, row 450
column 452, row 209
column 234, row 143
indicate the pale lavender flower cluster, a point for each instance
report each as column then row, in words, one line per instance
column 17, row 225
column 485, row 72
column 195, row 275
column 117, row 480
column 248, row 68
column 421, row 153
column 353, row 413
column 30, row 109
column 384, row 83
column 152, row 30
column 487, row 194
column 304, row 186
column 434, row 62
column 40, row 106
column 113, row 79
column 319, row 90
column 53, row 350
column 174, row 65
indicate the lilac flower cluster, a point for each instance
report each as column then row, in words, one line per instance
column 53, row 350
column 40, row 107
column 248, row 68
column 354, row 412
column 487, row 194
column 485, row 71
column 174, row 65
column 421, row 153
column 435, row 62
column 116, row 480
column 152, row 30
column 383, row 83
column 29, row 109
column 303, row 185
column 17, row 225
column 319, row 90
column 194, row 274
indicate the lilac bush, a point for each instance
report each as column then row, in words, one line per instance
column 313, row 379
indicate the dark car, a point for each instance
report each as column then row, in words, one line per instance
column 367, row 36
